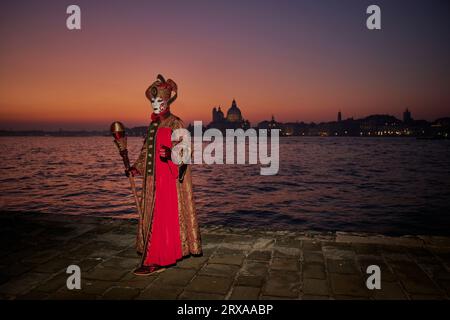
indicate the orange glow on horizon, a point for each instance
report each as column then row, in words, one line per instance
column 52, row 77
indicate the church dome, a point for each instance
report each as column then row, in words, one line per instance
column 234, row 114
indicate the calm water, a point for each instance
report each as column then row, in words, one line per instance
column 391, row 186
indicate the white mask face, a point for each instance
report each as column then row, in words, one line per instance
column 158, row 105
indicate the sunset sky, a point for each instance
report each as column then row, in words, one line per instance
column 298, row 60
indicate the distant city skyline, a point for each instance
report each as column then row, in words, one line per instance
column 300, row 60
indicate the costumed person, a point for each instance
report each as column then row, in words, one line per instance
column 168, row 228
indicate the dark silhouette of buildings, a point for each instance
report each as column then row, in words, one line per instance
column 378, row 125
column 407, row 116
column 233, row 120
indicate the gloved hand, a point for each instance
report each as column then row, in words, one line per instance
column 165, row 153
column 133, row 171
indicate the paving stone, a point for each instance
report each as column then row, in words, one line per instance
column 227, row 259
column 314, row 270
column 435, row 271
column 121, row 262
column 422, row 255
column 262, row 255
column 348, row 285
column 238, row 239
column 414, row 280
column 14, row 269
column 285, row 264
column 264, row 264
column 160, row 293
column 442, row 253
column 314, row 297
column 288, row 242
column 310, row 245
column 338, row 252
column 130, row 276
column 263, row 244
column 129, row 252
column 345, row 297
column 139, row 282
column 23, row 283
column 55, row 265
column 230, row 251
column 119, row 293
column 4, row 278
column 342, row 266
column 53, row 284
column 104, row 253
column 34, row 295
column 96, row 287
column 119, row 240
column 389, row 291
column 249, row 281
column 192, row 262
column 366, row 249
column 393, row 251
column 267, row 297
column 71, row 295
column 41, row 257
column 254, row 268
column 310, row 256
column 210, row 284
column 212, row 238
column 208, row 251
column 219, row 270
column 394, row 257
column 445, row 286
column 287, row 252
column 315, row 287
column 177, row 277
column 427, row 297
column 192, row 295
column 283, row 284
column 245, row 293
column 17, row 256
column 107, row 274
column 89, row 263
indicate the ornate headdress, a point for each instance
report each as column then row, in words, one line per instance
column 163, row 89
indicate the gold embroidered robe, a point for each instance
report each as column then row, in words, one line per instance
column 189, row 230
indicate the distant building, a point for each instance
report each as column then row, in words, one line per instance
column 407, row 116
column 270, row 124
column 233, row 120
column 217, row 115
column 339, row 117
column 381, row 125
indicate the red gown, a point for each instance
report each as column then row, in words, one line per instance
column 164, row 245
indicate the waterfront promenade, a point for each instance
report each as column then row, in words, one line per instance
column 237, row 263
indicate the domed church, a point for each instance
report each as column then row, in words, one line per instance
column 234, row 113
column 233, row 120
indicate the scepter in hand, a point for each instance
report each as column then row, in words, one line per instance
column 120, row 140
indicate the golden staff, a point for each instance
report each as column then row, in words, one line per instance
column 120, row 140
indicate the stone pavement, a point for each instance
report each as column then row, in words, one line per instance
column 36, row 250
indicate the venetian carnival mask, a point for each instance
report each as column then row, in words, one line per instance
column 158, row 105
column 160, row 94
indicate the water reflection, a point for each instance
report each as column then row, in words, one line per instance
column 394, row 186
